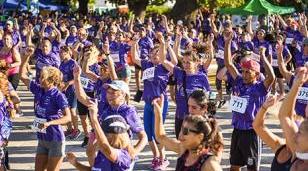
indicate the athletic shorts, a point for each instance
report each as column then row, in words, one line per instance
column 51, row 148
column 244, row 149
column 82, row 109
column 71, row 99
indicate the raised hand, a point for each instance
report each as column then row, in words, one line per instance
column 71, row 158
column 301, row 76
column 228, row 36
column 270, row 101
column 158, row 104
column 76, row 71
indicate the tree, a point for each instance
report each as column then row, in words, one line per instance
column 138, row 7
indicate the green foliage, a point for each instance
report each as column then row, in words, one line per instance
column 222, row 3
column 157, row 9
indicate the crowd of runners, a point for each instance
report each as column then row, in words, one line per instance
column 82, row 69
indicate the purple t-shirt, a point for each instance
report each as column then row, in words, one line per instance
column 87, row 84
column 193, row 82
column 300, row 58
column 293, row 35
column 155, row 79
column 49, row 105
column 71, row 40
column 45, row 60
column 56, row 47
column 221, row 48
column 100, row 93
column 302, row 98
column 251, row 99
column 118, row 52
column 67, row 70
column 145, row 45
column 129, row 113
column 122, row 163
column 257, row 44
column 285, row 53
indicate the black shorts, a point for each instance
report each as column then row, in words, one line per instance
column 171, row 80
column 277, row 72
column 81, row 108
column 137, row 67
column 244, row 149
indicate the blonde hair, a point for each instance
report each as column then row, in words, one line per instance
column 51, row 76
column 119, row 141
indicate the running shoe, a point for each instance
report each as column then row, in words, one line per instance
column 155, row 162
column 85, row 142
column 75, row 134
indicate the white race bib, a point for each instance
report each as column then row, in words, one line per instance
column 115, row 57
column 289, row 40
column 220, row 54
column 238, row 104
column 148, row 73
column 36, row 123
column 275, row 63
column 96, row 169
column 84, row 82
column 303, row 94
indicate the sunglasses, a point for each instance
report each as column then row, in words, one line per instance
column 186, row 131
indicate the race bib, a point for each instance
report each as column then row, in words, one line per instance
column 23, row 44
column 238, row 104
column 220, row 54
column 303, row 94
column 36, row 123
column 84, row 82
column 289, row 40
column 275, row 63
column 115, row 57
column 148, row 73
column 96, row 169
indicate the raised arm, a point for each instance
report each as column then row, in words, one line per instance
column 113, row 74
column 227, row 55
column 287, row 112
column 281, row 64
column 177, row 42
column 135, row 51
column 207, row 63
column 163, row 52
column 270, row 139
column 283, row 23
column 303, row 24
column 249, row 26
column 102, row 141
column 160, row 134
column 174, row 59
column 269, row 72
column 85, row 67
column 213, row 25
column 58, row 33
column 23, row 67
column 80, row 93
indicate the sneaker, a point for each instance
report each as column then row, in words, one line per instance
column 75, row 134
column 138, row 96
column 155, row 162
column 68, row 132
column 20, row 114
column 221, row 103
column 85, row 142
column 162, row 165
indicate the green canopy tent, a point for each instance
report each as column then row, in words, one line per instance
column 257, row 7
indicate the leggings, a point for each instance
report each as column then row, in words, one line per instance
column 14, row 80
column 149, row 125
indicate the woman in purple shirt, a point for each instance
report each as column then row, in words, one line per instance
column 187, row 80
column 51, row 111
column 155, row 78
column 113, row 143
column 247, row 98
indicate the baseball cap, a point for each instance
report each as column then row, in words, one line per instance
column 251, row 65
column 118, row 85
column 9, row 22
column 114, row 124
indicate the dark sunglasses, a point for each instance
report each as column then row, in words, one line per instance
column 186, row 131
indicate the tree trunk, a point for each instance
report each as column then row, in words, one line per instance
column 83, row 6
column 183, row 10
column 138, row 7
